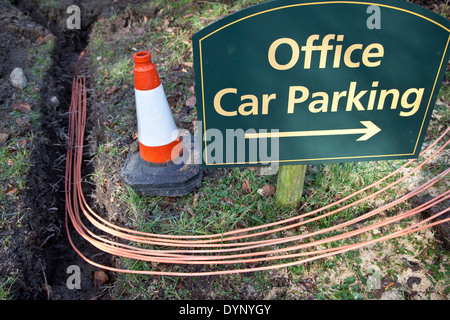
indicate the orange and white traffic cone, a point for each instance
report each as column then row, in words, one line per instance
column 153, row 170
column 157, row 132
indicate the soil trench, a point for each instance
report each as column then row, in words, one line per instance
column 53, row 255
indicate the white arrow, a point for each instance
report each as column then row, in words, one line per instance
column 368, row 132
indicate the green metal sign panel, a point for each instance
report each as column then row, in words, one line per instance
column 299, row 82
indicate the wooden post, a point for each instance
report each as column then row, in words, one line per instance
column 290, row 184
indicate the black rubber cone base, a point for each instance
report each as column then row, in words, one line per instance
column 168, row 179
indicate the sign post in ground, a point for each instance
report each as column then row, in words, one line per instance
column 290, row 183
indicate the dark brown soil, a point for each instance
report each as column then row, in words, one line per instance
column 38, row 249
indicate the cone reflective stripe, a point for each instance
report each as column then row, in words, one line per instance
column 157, row 132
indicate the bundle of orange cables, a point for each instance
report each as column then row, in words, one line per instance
column 243, row 247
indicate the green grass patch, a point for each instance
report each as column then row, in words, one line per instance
column 15, row 154
column 14, row 166
column 6, row 286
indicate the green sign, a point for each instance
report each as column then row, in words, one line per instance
column 299, row 82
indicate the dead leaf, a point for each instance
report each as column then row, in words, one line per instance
column 425, row 253
column 413, row 280
column 22, row 107
column 195, row 201
column 177, row 67
column 112, row 89
column 413, row 265
column 47, row 290
column 3, row 137
column 11, row 190
column 191, row 101
column 100, row 279
column 10, row 162
column 190, row 211
column 390, row 285
column 246, row 187
column 166, row 23
column 267, row 190
column 227, row 201
column 192, row 89
column 307, row 285
column 240, row 225
column 24, row 123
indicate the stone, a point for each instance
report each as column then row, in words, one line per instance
column 268, row 171
column 54, row 100
column 18, row 79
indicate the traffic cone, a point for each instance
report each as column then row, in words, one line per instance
column 157, row 132
column 157, row 169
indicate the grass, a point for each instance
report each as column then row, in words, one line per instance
column 14, row 165
column 53, row 4
column 16, row 160
column 220, row 205
column 6, row 287
column 15, row 154
column 214, row 209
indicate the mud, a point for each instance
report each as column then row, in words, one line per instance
column 39, row 249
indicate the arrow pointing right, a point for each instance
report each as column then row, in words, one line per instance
column 369, row 130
